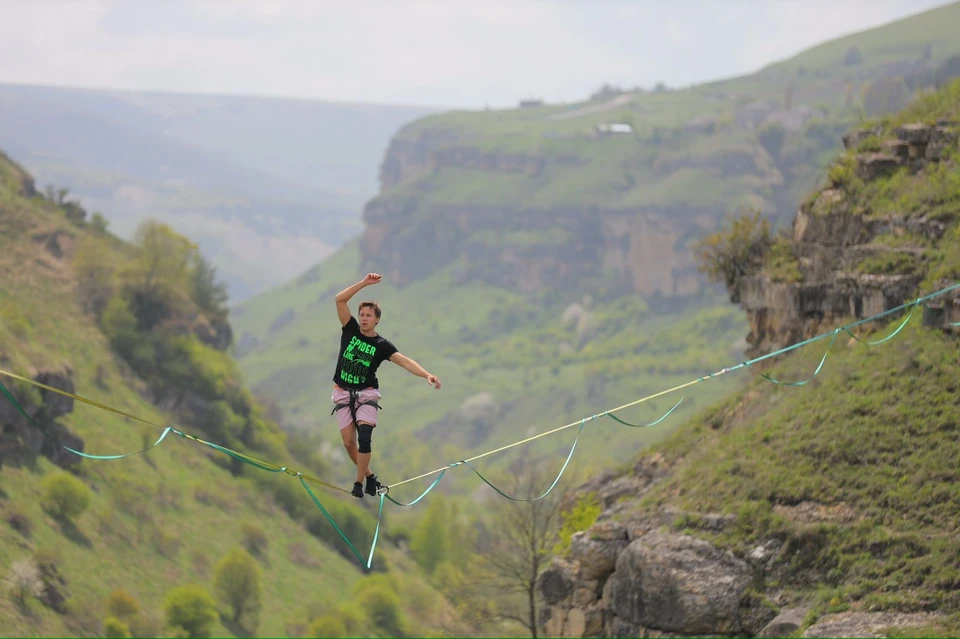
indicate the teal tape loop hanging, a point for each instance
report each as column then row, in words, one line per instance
column 555, row 481
column 913, row 307
column 424, row 493
column 667, row 414
column 815, row 373
column 13, row 400
column 376, row 532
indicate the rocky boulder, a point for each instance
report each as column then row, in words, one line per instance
column 785, row 623
column 871, row 166
column 55, row 404
column 597, row 549
column 56, row 592
column 555, row 583
column 572, row 606
column 853, row 139
column 21, row 440
column 675, row 583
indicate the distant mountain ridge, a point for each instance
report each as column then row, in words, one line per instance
column 256, row 181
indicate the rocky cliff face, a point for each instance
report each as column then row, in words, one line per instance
column 636, row 575
column 407, row 237
column 631, row 575
column 831, row 240
column 644, row 250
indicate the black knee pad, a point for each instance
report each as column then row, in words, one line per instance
column 365, row 432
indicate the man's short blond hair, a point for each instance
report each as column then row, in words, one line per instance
column 373, row 305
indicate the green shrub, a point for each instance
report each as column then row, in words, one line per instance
column 191, row 609
column 868, row 144
column 327, row 626
column 122, row 605
column 580, row 517
column 64, row 496
column 841, row 173
column 782, row 264
column 382, row 606
column 115, row 628
column 236, row 579
column 120, row 326
column 430, row 542
column 730, row 254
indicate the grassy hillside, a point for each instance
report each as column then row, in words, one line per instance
column 719, row 145
column 856, row 472
column 255, row 181
column 161, row 520
column 898, row 40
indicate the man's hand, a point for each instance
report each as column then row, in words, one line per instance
column 408, row 364
column 343, row 311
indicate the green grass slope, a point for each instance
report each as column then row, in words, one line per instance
column 165, row 518
column 900, row 40
column 857, row 471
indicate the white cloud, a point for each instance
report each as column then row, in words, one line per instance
column 454, row 52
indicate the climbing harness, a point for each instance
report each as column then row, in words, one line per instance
column 353, row 403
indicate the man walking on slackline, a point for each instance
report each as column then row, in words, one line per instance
column 356, row 388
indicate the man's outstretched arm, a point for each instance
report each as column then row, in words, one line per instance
column 405, row 362
column 343, row 311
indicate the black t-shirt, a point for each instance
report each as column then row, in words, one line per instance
column 359, row 357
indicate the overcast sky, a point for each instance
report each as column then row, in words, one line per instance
column 450, row 53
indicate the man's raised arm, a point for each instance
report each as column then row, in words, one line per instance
column 343, row 311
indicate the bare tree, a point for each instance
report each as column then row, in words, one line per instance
column 522, row 536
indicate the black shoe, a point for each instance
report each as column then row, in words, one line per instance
column 357, row 490
column 373, row 484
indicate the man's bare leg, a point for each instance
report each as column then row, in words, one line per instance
column 349, row 435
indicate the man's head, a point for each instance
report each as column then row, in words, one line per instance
column 369, row 315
